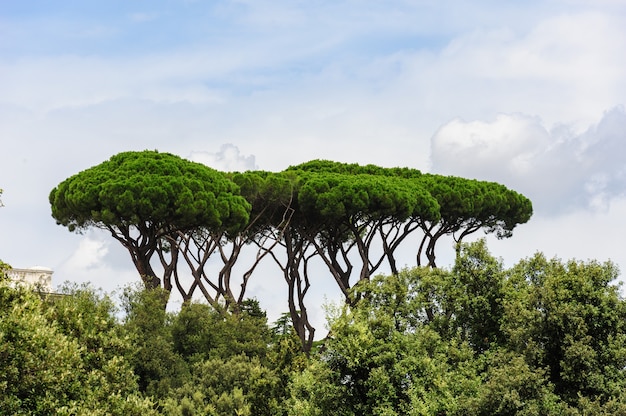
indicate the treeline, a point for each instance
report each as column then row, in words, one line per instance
column 544, row 337
column 175, row 216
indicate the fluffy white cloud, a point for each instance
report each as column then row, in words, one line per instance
column 88, row 255
column 98, row 260
column 227, row 159
column 558, row 169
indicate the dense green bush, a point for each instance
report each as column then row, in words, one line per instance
column 544, row 337
column 62, row 356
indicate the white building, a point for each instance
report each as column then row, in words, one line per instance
column 37, row 277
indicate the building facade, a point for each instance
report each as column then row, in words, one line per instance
column 38, row 277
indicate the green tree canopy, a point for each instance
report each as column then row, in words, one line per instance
column 4, row 268
column 352, row 218
column 319, row 165
column 468, row 205
column 464, row 205
column 351, row 210
column 269, row 195
column 542, row 338
column 64, row 358
column 569, row 318
column 142, row 197
column 281, row 231
column 369, row 210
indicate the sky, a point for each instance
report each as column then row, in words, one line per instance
column 529, row 94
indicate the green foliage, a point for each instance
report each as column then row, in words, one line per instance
column 542, row 338
column 372, row 367
column 570, row 319
column 382, row 360
column 478, row 281
column 286, row 358
column 160, row 188
column 270, row 195
column 200, row 332
column 237, row 385
column 145, row 199
column 464, row 302
column 244, row 333
column 52, row 361
column 193, row 331
column 233, row 369
column 327, row 166
column 510, row 386
column 4, row 269
column 157, row 203
column 156, row 363
column 199, row 360
column 469, row 204
column 88, row 316
column 317, row 391
column 38, row 364
column 462, row 204
column 351, row 204
column 341, row 190
column 336, row 197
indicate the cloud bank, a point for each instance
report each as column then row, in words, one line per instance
column 559, row 169
column 227, row 159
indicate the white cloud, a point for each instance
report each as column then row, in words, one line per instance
column 566, row 67
column 227, row 159
column 88, row 255
column 98, row 260
column 506, row 143
column 558, row 170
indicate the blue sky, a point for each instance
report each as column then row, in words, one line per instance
column 529, row 94
column 123, row 27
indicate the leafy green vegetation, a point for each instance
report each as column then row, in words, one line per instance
column 144, row 199
column 4, row 268
column 172, row 214
column 64, row 357
column 544, row 337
